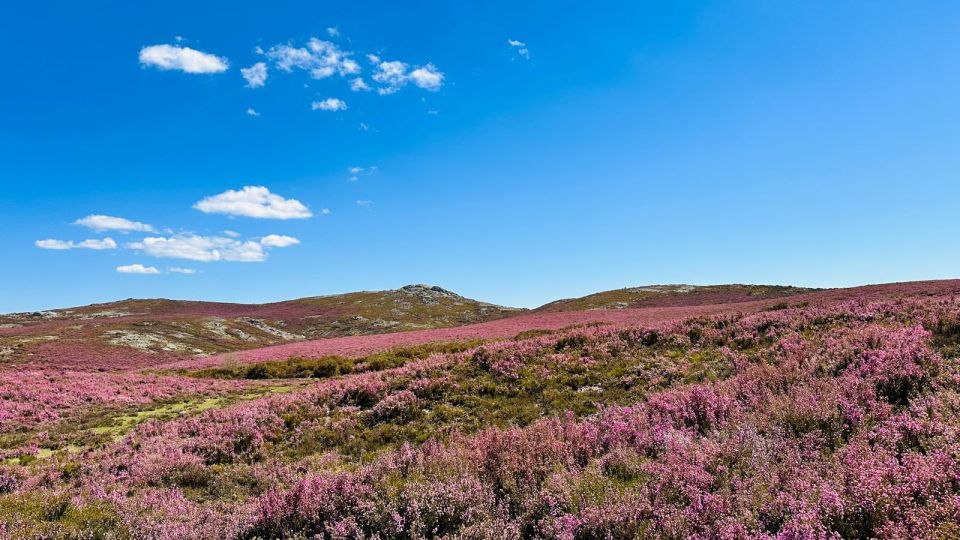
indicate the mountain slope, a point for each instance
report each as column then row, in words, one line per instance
column 672, row 295
column 146, row 332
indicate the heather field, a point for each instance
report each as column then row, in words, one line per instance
column 816, row 414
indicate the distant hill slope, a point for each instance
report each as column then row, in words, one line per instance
column 158, row 329
column 672, row 295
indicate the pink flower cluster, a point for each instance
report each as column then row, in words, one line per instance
column 833, row 421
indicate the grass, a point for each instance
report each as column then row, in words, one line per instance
column 331, row 366
column 101, row 425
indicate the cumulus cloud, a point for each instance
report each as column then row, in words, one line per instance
column 50, row 243
column 100, row 223
column 278, row 240
column 179, row 270
column 427, row 77
column 255, row 202
column 520, row 47
column 137, row 269
column 319, row 58
column 175, row 57
column 359, row 85
column 255, row 75
column 329, row 104
column 201, row 248
column 333, row 31
column 394, row 75
column 252, row 112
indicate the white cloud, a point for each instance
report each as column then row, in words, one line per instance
column 325, row 212
column 255, row 202
column 427, row 77
column 333, row 31
column 392, row 76
column 49, row 243
column 100, row 223
column 255, row 75
column 374, row 59
column 520, row 47
column 201, row 248
column 364, row 127
column 174, row 57
column 137, row 269
column 356, row 172
column 319, row 58
column 364, row 203
column 178, row 270
column 359, row 85
column 329, row 104
column 278, row 240
column 252, row 112
column 232, row 234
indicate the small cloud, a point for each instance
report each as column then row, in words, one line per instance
column 95, row 244
column 433, row 112
column 392, row 76
column 357, row 172
column 201, row 248
column 333, row 31
column 100, row 223
column 178, row 39
column 427, row 77
column 364, row 127
column 359, row 85
column 329, row 104
column 278, row 240
column 374, row 59
column 520, row 47
column 232, row 234
column 255, row 75
column 137, row 269
column 364, row 203
column 319, row 58
column 255, row 202
column 178, row 270
column 324, row 211
column 252, row 112
column 185, row 59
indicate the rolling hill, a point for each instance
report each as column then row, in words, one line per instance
column 145, row 332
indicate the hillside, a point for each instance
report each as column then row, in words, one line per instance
column 145, row 332
column 672, row 295
column 843, row 401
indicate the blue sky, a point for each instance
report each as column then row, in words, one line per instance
column 624, row 143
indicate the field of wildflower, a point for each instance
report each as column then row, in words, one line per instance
column 831, row 414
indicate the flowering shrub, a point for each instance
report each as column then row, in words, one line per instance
column 832, row 420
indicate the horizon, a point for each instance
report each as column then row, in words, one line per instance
column 513, row 154
column 508, row 306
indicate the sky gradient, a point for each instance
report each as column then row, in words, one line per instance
column 523, row 154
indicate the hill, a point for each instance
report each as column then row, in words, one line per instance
column 672, row 295
column 146, row 332
column 830, row 414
